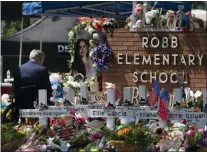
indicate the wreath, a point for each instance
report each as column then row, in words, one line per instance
column 88, row 26
column 102, row 55
column 93, row 26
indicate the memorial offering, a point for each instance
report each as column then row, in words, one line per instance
column 141, row 102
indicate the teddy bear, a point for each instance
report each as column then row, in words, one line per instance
column 138, row 25
column 128, row 22
column 151, row 17
column 56, row 80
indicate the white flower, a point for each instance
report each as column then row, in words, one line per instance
column 95, row 36
column 72, row 58
column 71, row 34
column 94, row 65
column 179, row 125
column 50, row 140
column 90, row 31
column 91, row 54
column 70, row 78
column 76, row 84
column 68, row 145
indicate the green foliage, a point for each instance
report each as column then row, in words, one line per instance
column 12, row 26
column 80, row 140
column 135, row 136
column 8, row 133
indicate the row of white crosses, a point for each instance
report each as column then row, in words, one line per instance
column 111, row 99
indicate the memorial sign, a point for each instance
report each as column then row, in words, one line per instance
column 98, row 110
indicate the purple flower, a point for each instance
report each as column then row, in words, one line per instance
column 102, row 56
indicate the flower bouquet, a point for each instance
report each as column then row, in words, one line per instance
column 11, row 140
column 193, row 137
column 129, row 138
column 193, row 101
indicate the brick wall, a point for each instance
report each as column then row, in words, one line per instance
column 123, row 41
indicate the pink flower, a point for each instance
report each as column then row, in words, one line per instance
column 200, row 130
column 190, row 132
column 192, row 127
column 96, row 136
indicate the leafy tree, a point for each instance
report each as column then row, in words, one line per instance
column 12, row 26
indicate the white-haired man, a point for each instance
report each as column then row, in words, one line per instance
column 29, row 78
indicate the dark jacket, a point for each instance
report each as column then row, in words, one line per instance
column 28, row 79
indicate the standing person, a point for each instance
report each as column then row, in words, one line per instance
column 82, row 62
column 28, row 79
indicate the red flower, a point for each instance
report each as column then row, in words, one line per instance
column 52, row 121
column 192, row 127
column 183, row 121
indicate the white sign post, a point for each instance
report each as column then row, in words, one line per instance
column 42, row 96
column 110, row 122
column 68, row 94
column 178, row 95
column 128, row 97
column 84, row 91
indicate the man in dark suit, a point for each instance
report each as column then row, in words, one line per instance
column 28, row 79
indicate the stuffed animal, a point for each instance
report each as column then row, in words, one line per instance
column 4, row 100
column 170, row 17
column 191, row 19
column 56, row 80
column 187, row 22
column 138, row 11
column 138, row 25
column 151, row 17
column 128, row 22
